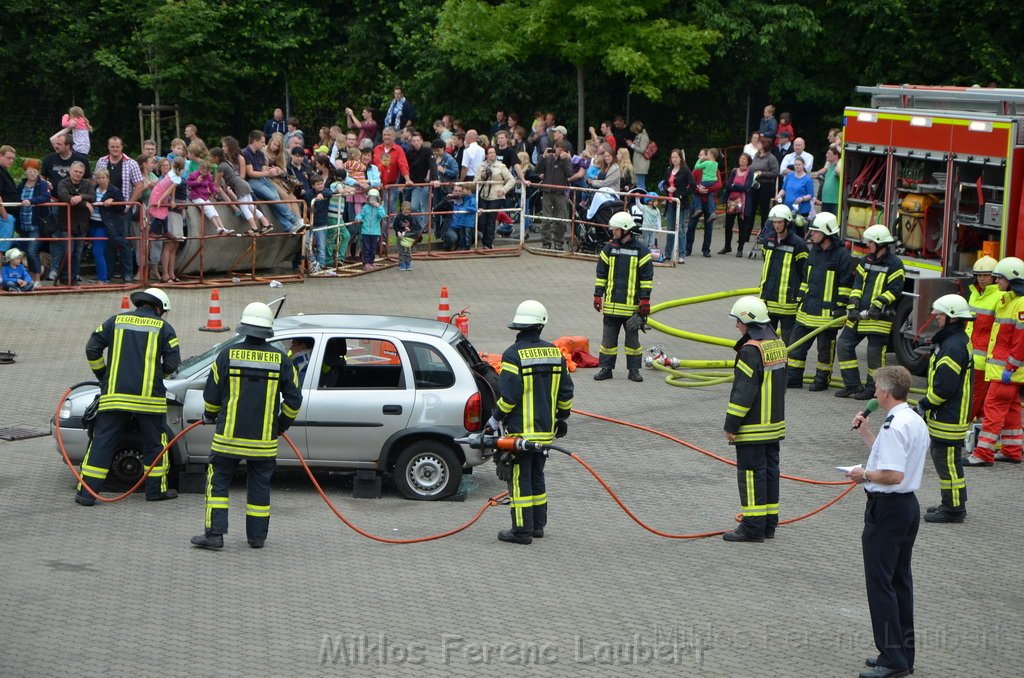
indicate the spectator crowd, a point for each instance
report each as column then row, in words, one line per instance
column 351, row 185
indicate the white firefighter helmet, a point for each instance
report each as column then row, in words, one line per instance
column 530, row 313
column 623, row 220
column 781, row 212
column 14, row 253
column 152, row 295
column 750, row 310
column 984, row 266
column 826, row 223
column 1010, row 268
column 878, row 234
column 257, row 321
column 952, row 305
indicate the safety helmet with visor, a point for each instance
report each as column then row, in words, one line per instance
column 749, row 310
column 952, row 305
column 826, row 222
column 154, row 296
column 530, row 313
column 257, row 321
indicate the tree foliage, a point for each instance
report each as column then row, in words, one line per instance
column 688, row 69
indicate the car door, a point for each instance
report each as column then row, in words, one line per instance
column 201, row 437
column 362, row 396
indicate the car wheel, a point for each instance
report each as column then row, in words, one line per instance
column 904, row 345
column 126, row 467
column 427, row 470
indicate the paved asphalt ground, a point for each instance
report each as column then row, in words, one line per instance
column 117, row 589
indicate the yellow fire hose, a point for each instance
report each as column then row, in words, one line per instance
column 682, row 375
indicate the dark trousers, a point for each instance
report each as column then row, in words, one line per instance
column 488, row 220
column 370, row 248
column 798, row 356
column 610, row 344
column 890, row 528
column 757, row 474
column 219, row 474
column 783, row 324
column 847, row 349
column 528, row 494
column 708, row 210
column 952, row 484
column 109, row 428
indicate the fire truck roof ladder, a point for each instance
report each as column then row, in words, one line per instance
column 996, row 101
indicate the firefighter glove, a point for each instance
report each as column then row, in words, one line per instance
column 561, row 428
column 492, row 425
column 919, row 409
column 209, row 418
column 874, row 313
column 636, row 323
column 838, row 312
column 503, row 466
column 645, row 307
column 853, row 315
column 283, row 425
column 597, row 303
column 1007, row 375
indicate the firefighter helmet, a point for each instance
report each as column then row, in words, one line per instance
column 826, row 222
column 984, row 265
column 878, row 234
column 750, row 310
column 530, row 313
column 257, row 321
column 781, row 212
column 1010, row 268
column 14, row 253
column 952, row 305
column 623, row 220
column 153, row 295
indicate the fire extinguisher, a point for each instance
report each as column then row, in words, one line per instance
column 461, row 321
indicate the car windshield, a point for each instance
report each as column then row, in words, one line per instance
column 199, row 362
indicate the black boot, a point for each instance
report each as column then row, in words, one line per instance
column 602, row 374
column 867, row 393
column 739, row 534
column 513, row 538
column 634, row 375
column 209, row 541
column 818, row 384
column 169, row 494
column 739, row 252
column 725, row 250
column 945, row 515
column 849, row 391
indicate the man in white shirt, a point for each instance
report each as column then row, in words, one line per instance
column 891, row 518
column 786, row 166
column 471, row 157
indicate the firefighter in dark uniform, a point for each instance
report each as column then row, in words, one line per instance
column 785, row 255
column 142, row 349
column 755, row 420
column 946, row 407
column 535, row 399
column 625, row 278
column 877, row 287
column 253, row 395
column 824, row 295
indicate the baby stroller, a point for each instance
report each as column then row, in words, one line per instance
column 592, row 235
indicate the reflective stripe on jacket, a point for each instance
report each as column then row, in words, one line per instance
column 535, row 388
column 947, row 403
column 757, row 408
column 878, row 283
column 983, row 305
column 826, row 286
column 1006, row 342
column 625, row 275
column 783, row 272
column 252, row 386
column 142, row 349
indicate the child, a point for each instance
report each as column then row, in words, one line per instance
column 462, row 205
column 707, row 163
column 74, row 121
column 16, row 277
column 651, row 221
column 201, row 189
column 370, row 219
column 320, row 208
column 340, row 233
column 405, row 227
column 785, row 125
column 178, row 150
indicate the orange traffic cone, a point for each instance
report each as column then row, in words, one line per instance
column 444, row 312
column 213, row 322
column 125, row 308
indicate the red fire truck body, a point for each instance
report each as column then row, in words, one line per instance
column 943, row 169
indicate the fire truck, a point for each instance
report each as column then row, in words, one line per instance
column 943, row 169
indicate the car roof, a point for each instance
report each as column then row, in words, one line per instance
column 353, row 321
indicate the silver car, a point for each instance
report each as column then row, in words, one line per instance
column 380, row 394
